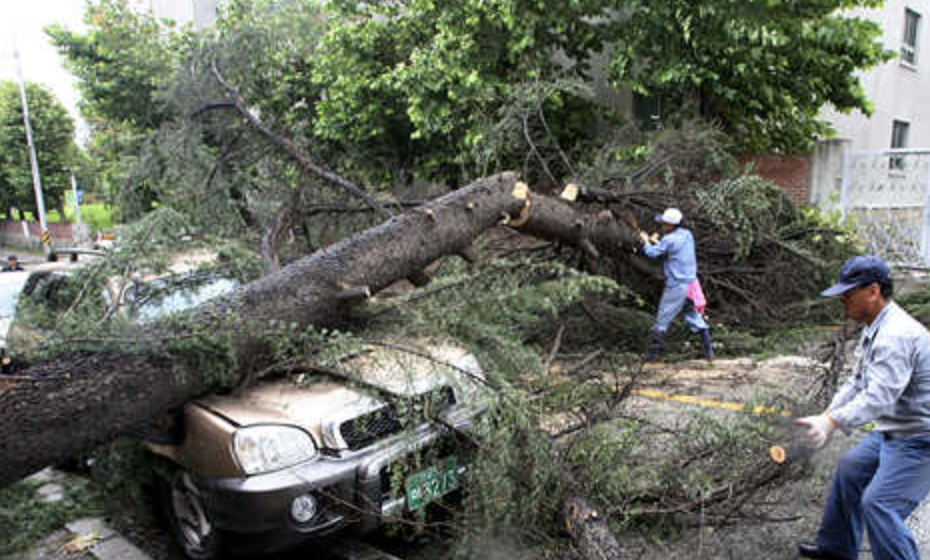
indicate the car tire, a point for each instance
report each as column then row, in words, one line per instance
column 188, row 520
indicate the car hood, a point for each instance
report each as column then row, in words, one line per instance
column 317, row 402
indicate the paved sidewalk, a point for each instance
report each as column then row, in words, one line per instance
column 102, row 541
column 82, row 539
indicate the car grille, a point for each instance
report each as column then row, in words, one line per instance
column 362, row 431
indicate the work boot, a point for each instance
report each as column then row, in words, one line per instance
column 707, row 344
column 655, row 346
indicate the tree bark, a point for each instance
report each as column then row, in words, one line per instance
column 590, row 531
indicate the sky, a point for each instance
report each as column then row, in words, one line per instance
column 21, row 21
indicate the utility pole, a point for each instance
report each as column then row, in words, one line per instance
column 33, row 161
column 77, row 209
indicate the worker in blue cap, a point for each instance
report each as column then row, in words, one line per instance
column 880, row 481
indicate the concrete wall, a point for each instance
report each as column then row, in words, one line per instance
column 827, row 173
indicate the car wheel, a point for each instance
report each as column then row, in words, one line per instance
column 188, row 520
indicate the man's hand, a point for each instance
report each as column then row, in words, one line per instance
column 817, row 429
column 644, row 237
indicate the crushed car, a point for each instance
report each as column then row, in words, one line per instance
column 377, row 434
column 300, row 458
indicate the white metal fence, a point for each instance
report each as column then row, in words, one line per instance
column 887, row 195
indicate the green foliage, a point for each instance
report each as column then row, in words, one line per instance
column 487, row 308
column 644, row 474
column 205, row 163
column 269, row 48
column 416, row 83
column 97, row 216
column 546, row 126
column 514, row 485
column 747, row 208
column 917, row 303
column 761, row 68
column 383, row 92
column 53, row 136
column 695, row 154
column 750, row 210
column 24, row 517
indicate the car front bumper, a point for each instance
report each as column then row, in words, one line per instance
column 349, row 489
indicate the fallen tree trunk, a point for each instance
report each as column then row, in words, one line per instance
column 590, row 531
column 57, row 409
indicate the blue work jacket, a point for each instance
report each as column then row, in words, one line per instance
column 677, row 247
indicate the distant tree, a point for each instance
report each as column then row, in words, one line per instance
column 207, row 163
column 762, row 69
column 120, row 62
column 53, row 135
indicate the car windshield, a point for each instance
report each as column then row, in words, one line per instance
column 155, row 300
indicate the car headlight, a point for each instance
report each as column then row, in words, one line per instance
column 269, row 447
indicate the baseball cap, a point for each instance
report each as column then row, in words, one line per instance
column 858, row 271
column 671, row 216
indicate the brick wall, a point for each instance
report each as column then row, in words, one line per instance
column 790, row 172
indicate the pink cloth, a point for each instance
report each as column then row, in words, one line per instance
column 696, row 295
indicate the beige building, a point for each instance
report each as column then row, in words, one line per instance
column 899, row 89
column 877, row 169
column 202, row 13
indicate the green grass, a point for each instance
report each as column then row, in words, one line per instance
column 98, row 216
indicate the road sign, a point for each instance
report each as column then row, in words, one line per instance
column 46, row 238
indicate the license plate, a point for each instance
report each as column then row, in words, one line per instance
column 434, row 482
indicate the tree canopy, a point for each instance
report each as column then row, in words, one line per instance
column 421, row 82
column 388, row 91
column 763, row 69
column 120, row 63
column 53, row 136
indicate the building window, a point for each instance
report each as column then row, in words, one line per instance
column 899, row 130
column 648, row 111
column 911, row 29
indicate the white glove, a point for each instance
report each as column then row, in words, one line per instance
column 645, row 237
column 817, row 429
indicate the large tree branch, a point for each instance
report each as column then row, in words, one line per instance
column 291, row 149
